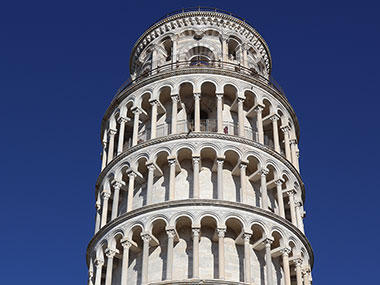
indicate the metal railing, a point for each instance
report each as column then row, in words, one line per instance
column 213, row 64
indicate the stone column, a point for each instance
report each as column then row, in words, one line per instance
column 145, row 258
column 196, row 160
column 112, row 134
column 298, row 263
column 154, row 58
column 224, row 41
column 245, row 55
column 268, row 260
column 110, row 253
column 291, row 194
column 136, row 120
column 98, row 274
column 241, row 117
column 124, row 267
column 247, row 258
column 172, row 164
column 264, row 191
column 149, row 190
column 106, row 195
column 153, row 119
column 293, row 147
column 306, row 276
column 116, row 194
column 219, row 112
column 280, row 197
column 169, row 269
column 90, row 273
column 197, row 112
column 131, row 188
column 285, row 130
column 243, row 181
column 220, row 162
column 98, row 206
column 120, row 143
column 221, row 234
column 175, row 100
column 174, row 49
column 104, row 151
column 298, row 205
column 276, row 139
column 285, row 264
column 260, row 129
column 196, row 232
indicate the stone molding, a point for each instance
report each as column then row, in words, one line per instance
column 194, row 18
column 201, row 202
column 223, row 137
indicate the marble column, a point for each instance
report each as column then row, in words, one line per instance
column 120, row 143
column 243, row 181
column 112, row 134
column 298, row 263
column 285, row 264
column 145, row 256
column 306, row 276
column 219, row 112
column 136, row 120
column 153, row 119
column 291, row 194
column 276, row 139
column 221, row 234
column 247, row 258
column 104, row 151
column 241, row 117
column 196, row 232
column 196, row 160
column 125, row 262
column 169, row 268
column 245, row 55
column 90, row 273
column 149, row 190
column 98, row 207
column 110, row 253
column 106, row 195
column 98, row 274
column 224, row 41
column 175, row 100
column 220, row 162
column 172, row 165
column 293, row 148
column 131, row 188
column 280, row 197
column 197, row 112
column 298, row 206
column 116, row 194
column 264, row 190
column 286, row 130
column 259, row 122
column 268, row 261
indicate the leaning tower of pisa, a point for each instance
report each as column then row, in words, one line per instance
column 200, row 182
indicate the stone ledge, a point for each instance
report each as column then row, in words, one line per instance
column 199, row 282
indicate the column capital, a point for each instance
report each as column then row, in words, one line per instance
column 197, row 95
column 153, row 102
column 123, row 119
column 146, row 237
column 98, row 205
column 196, row 231
column 259, row 108
column 285, row 251
column 298, row 203
column 174, row 97
column 279, row 181
column 223, row 38
column 285, row 128
column 268, row 242
column 274, row 117
column 150, row 166
column 221, row 232
column 171, row 233
column 125, row 243
column 196, row 159
column 293, row 141
column 247, row 237
column 112, row 132
column 220, row 161
column 219, row 96
column 297, row 262
column 135, row 110
column 117, row 184
column 106, row 195
column 171, row 160
column 291, row 192
column 240, row 99
column 99, row 263
column 111, row 252
column 264, row 171
column 131, row 174
column 306, row 271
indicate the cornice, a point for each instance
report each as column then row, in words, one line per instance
column 202, row 202
column 223, row 137
column 202, row 70
column 198, row 18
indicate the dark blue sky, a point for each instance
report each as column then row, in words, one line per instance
column 61, row 63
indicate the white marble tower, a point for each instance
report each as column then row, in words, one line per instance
column 200, row 179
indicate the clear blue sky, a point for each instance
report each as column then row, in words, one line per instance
column 61, row 63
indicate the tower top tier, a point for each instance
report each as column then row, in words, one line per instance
column 200, row 36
